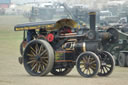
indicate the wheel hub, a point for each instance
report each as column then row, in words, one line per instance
column 87, row 65
column 103, row 64
column 37, row 58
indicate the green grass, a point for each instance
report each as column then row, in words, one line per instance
column 10, row 39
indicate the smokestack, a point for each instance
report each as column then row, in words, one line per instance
column 92, row 20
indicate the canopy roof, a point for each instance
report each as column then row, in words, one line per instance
column 34, row 25
column 47, row 24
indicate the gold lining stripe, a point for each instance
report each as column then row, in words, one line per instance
column 34, row 27
column 63, row 61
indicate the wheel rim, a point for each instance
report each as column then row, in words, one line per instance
column 60, row 71
column 37, row 58
column 107, row 64
column 21, row 49
column 121, row 60
column 88, row 64
column 115, row 53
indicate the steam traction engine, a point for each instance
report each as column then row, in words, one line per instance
column 61, row 47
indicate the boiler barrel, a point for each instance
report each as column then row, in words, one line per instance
column 88, row 46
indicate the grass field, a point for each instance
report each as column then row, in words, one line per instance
column 9, row 39
column 12, row 73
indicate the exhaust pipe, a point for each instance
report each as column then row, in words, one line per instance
column 92, row 20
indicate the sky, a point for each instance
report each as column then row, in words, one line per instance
column 22, row 1
column 73, row 1
column 90, row 3
column 25, row 1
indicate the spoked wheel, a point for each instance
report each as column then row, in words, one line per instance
column 107, row 64
column 88, row 64
column 122, row 59
column 38, row 58
column 61, row 71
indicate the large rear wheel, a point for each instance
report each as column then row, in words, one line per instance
column 38, row 58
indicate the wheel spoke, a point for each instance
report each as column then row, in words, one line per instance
column 89, row 59
column 44, row 57
column 32, row 58
column 106, row 68
column 82, row 63
column 37, row 48
column 44, row 63
column 30, row 55
column 39, row 66
column 34, row 67
column 84, row 70
column 32, row 64
column 40, row 49
column 42, row 67
column 32, row 61
column 103, row 70
column 82, row 67
column 92, row 67
column 43, row 52
column 84, row 60
column 33, row 49
column 92, row 62
column 33, row 53
column 89, row 70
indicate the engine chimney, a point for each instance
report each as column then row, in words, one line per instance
column 92, row 20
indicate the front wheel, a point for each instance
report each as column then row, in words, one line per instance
column 107, row 64
column 88, row 64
